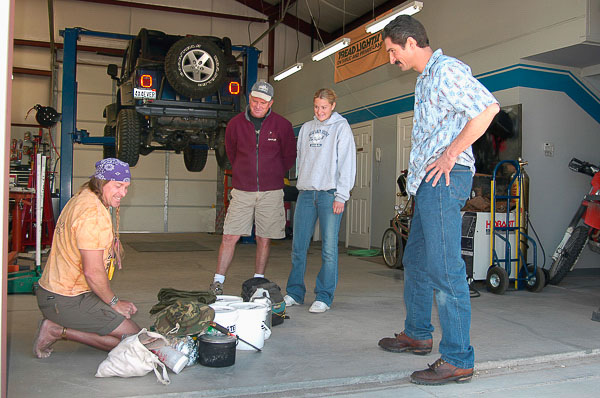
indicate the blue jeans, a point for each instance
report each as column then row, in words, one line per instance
column 309, row 206
column 433, row 263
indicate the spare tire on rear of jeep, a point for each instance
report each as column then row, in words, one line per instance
column 195, row 66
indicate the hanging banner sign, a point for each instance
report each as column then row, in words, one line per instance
column 365, row 52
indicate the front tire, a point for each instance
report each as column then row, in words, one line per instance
column 392, row 248
column 568, row 257
column 129, row 127
column 195, row 67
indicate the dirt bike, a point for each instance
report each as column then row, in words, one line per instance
column 577, row 235
column 394, row 238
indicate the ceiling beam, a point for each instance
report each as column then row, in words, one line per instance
column 289, row 19
column 116, row 52
column 30, row 71
column 366, row 17
column 270, row 10
column 178, row 10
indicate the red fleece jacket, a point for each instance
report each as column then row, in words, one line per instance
column 275, row 150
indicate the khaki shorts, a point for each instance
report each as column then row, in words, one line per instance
column 85, row 312
column 265, row 209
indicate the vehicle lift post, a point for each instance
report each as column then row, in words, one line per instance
column 68, row 131
column 251, row 62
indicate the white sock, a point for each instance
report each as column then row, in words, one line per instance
column 219, row 278
column 259, row 275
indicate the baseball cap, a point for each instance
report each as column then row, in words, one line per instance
column 262, row 90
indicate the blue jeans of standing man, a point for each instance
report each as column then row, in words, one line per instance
column 433, row 263
column 309, row 206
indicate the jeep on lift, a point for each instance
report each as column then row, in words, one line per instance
column 174, row 93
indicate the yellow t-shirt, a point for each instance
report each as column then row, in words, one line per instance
column 84, row 224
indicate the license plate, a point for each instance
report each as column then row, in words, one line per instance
column 140, row 93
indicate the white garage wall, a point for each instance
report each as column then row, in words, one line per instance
column 164, row 196
column 556, row 191
column 488, row 36
column 291, row 46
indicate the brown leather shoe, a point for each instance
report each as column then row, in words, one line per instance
column 441, row 372
column 403, row 343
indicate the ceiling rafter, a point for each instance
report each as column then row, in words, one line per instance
column 272, row 11
column 366, row 17
column 179, row 10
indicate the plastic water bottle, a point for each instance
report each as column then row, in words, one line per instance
column 175, row 360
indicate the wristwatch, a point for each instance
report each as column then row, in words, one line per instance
column 114, row 301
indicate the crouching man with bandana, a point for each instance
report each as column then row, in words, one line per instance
column 74, row 292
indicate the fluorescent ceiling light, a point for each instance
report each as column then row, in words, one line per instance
column 288, row 71
column 331, row 48
column 408, row 8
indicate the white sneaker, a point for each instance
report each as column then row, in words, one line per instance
column 289, row 301
column 318, row 306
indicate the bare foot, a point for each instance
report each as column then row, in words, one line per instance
column 48, row 333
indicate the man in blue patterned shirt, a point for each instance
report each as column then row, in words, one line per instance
column 452, row 110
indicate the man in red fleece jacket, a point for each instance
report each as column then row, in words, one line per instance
column 261, row 147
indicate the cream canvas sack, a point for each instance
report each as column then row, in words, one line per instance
column 132, row 357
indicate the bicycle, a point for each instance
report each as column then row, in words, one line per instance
column 576, row 236
column 394, row 238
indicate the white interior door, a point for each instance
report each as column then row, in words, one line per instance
column 358, row 218
column 404, row 131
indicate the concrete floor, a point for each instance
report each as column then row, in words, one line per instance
column 526, row 344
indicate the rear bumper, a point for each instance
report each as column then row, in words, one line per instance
column 187, row 109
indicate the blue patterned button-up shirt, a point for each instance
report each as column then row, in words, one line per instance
column 447, row 96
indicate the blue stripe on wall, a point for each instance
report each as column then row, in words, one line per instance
column 510, row 77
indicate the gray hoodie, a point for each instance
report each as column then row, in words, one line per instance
column 326, row 156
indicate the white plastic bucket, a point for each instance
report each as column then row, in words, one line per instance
column 225, row 316
column 250, row 324
column 267, row 303
column 225, row 299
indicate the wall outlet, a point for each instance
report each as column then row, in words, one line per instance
column 548, row 149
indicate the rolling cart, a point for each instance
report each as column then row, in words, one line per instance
column 499, row 273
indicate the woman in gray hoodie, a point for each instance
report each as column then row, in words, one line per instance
column 326, row 164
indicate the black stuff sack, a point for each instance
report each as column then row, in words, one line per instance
column 250, row 291
column 249, row 287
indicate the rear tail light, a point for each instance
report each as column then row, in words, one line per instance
column 234, row 88
column 146, row 81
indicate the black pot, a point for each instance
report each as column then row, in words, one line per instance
column 216, row 351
